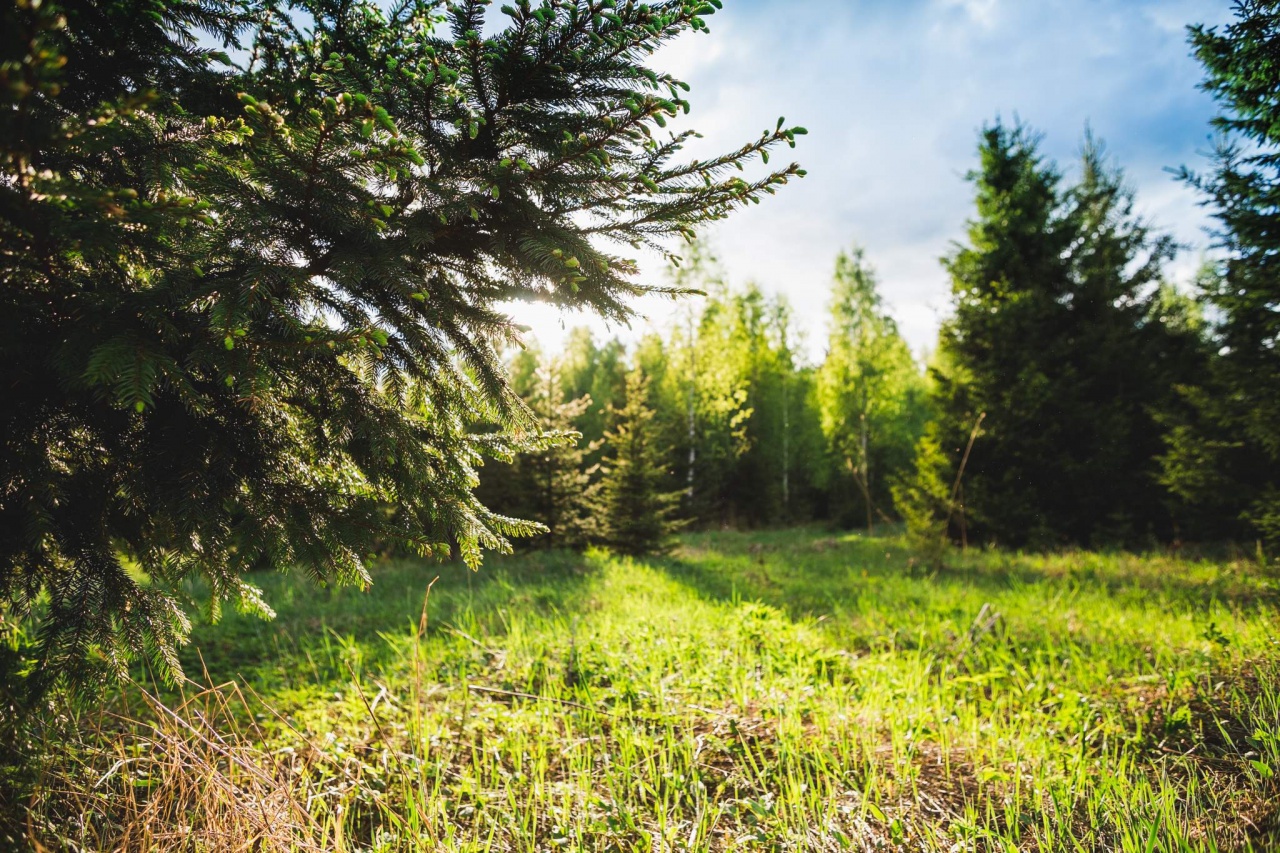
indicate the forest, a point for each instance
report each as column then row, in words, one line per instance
column 307, row 543
column 1063, row 405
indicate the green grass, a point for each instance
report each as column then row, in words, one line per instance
column 772, row 691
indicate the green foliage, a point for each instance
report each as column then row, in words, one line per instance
column 740, row 413
column 923, row 497
column 734, row 401
column 551, row 480
column 766, row 485
column 871, row 396
column 703, row 382
column 251, row 302
column 1060, row 337
column 597, row 372
column 638, row 507
column 1234, row 432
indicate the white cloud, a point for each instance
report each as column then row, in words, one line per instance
column 982, row 12
column 893, row 94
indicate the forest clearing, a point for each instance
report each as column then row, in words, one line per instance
column 413, row 439
column 776, row 690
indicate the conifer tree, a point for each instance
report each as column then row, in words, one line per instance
column 1056, row 338
column 552, row 482
column 639, row 507
column 925, row 499
column 1224, row 457
column 252, row 295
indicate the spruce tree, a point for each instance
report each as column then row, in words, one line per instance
column 638, row 506
column 551, row 481
column 253, row 295
column 1056, row 338
column 1224, row 457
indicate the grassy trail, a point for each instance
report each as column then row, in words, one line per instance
column 769, row 691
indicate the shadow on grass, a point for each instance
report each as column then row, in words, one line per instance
column 315, row 626
column 870, row 582
column 809, row 572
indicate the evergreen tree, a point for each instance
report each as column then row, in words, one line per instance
column 639, row 508
column 1224, row 457
column 925, row 500
column 551, row 482
column 871, row 396
column 1056, row 339
column 252, row 301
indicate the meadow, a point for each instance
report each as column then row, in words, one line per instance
column 788, row 690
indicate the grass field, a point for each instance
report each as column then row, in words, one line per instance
column 771, row 691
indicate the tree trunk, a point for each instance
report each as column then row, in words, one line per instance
column 690, row 397
column 786, row 447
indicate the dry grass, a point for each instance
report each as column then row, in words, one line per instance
column 191, row 778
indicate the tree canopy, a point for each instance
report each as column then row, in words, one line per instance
column 1224, row 458
column 255, row 254
column 1058, row 338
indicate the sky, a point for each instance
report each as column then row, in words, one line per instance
column 893, row 93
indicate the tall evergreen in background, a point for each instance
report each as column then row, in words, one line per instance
column 1225, row 457
column 1058, row 339
column 252, row 302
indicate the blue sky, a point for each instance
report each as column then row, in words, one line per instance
column 893, row 94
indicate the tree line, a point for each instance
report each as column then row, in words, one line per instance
column 1076, row 396
column 740, row 429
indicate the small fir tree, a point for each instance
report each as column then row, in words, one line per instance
column 551, row 483
column 638, row 506
column 923, row 498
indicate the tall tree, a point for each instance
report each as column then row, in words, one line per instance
column 699, row 270
column 1226, row 456
column 704, row 379
column 754, row 494
column 252, row 300
column 871, row 394
column 1055, row 339
column 759, row 346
